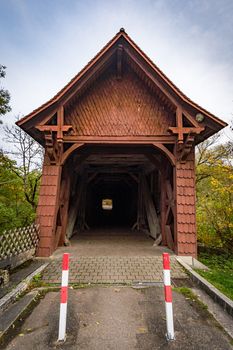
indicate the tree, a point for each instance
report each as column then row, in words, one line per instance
column 15, row 211
column 214, row 179
column 29, row 155
column 4, row 94
column 209, row 154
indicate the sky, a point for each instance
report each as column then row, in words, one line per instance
column 44, row 43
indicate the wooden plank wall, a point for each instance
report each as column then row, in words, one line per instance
column 186, row 242
column 47, row 208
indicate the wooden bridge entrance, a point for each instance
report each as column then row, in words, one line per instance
column 137, row 181
column 119, row 150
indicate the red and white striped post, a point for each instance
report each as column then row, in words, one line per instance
column 168, row 297
column 64, row 297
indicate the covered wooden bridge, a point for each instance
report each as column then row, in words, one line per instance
column 119, row 150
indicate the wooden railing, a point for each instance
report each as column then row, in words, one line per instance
column 18, row 245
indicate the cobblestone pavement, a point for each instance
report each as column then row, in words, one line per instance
column 112, row 269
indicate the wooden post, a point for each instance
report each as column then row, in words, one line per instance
column 167, row 206
column 151, row 212
column 163, row 207
column 60, row 123
column 74, row 206
column 64, row 203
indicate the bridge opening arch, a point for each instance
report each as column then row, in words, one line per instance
column 136, row 179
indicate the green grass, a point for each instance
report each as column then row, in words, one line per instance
column 189, row 295
column 220, row 273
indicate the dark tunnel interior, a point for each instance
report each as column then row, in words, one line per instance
column 122, row 194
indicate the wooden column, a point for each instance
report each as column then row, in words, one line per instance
column 140, row 222
column 74, row 207
column 152, row 217
column 163, row 207
column 47, row 208
column 167, row 207
column 64, row 202
column 185, row 223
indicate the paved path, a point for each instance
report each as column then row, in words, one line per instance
column 111, row 242
column 114, row 255
column 119, row 318
column 112, row 269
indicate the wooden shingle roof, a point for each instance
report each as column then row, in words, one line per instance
column 29, row 121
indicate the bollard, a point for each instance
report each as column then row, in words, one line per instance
column 64, row 297
column 168, row 297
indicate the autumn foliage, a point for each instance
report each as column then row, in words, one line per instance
column 214, row 180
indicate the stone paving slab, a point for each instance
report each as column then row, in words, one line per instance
column 111, row 269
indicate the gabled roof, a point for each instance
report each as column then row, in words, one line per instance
column 30, row 120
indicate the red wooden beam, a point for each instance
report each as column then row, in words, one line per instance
column 179, row 123
column 54, row 128
column 60, row 123
column 185, row 130
column 119, row 61
column 121, row 139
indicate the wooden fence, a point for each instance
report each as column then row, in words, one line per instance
column 18, row 245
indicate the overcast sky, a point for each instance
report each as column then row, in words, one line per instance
column 44, row 43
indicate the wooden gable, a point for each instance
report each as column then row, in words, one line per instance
column 119, row 107
column 135, row 110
